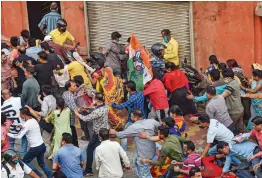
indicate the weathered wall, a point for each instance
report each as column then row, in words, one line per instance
column 228, row 30
column 73, row 13
column 13, row 18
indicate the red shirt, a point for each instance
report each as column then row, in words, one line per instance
column 258, row 136
column 175, row 79
column 157, row 94
column 211, row 170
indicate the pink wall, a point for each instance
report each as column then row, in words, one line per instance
column 228, row 30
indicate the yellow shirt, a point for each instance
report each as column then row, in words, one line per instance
column 74, row 69
column 171, row 52
column 60, row 38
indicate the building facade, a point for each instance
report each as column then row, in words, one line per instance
column 226, row 29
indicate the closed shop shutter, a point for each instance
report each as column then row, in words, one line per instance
column 145, row 19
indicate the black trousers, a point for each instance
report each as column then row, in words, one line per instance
column 95, row 142
column 74, row 135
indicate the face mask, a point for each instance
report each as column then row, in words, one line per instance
column 16, row 161
column 227, row 80
column 165, row 39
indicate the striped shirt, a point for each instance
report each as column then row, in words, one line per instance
column 193, row 160
column 49, row 20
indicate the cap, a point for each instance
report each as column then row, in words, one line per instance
column 48, row 38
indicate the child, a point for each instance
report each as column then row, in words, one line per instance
column 177, row 115
column 5, row 145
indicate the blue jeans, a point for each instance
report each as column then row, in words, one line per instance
column 38, row 153
column 23, row 146
column 123, row 141
column 142, row 170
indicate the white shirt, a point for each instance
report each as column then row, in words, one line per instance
column 107, row 156
column 32, row 132
column 16, row 172
column 219, row 132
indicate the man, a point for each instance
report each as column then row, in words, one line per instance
column 15, row 168
column 171, row 149
column 11, row 108
column 171, row 51
column 233, row 100
column 14, row 40
column 195, row 172
column 6, row 72
column 44, row 70
column 33, row 49
column 156, row 92
column 112, row 52
column 23, row 39
column 57, row 48
column 217, row 108
column 52, row 57
column 135, row 101
column 69, row 97
column 217, row 82
column 243, row 150
column 33, row 134
column 48, row 22
column 83, row 101
column 145, row 149
column 60, row 35
column 69, row 158
column 30, row 89
column 20, row 63
column 99, row 117
column 107, row 156
column 193, row 159
column 216, row 131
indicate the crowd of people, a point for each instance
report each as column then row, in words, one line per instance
column 45, row 95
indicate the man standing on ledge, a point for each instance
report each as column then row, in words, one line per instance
column 171, row 51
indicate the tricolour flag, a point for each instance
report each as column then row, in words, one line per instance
column 139, row 66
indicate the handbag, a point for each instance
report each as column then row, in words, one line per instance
column 258, row 10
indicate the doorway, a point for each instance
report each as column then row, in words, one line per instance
column 36, row 11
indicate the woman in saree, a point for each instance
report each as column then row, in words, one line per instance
column 60, row 118
column 113, row 90
column 256, row 87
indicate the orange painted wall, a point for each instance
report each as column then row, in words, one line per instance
column 13, row 18
column 73, row 13
column 228, row 30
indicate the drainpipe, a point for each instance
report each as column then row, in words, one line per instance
column 87, row 27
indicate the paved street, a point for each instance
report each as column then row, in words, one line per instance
column 195, row 134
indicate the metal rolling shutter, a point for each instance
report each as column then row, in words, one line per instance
column 145, row 19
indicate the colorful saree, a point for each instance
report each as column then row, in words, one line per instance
column 114, row 93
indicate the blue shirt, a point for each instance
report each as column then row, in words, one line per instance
column 244, row 150
column 32, row 52
column 49, row 20
column 219, row 91
column 136, row 101
column 70, row 157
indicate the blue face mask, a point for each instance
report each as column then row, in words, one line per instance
column 165, row 39
column 16, row 161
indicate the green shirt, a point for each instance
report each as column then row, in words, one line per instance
column 172, row 149
column 30, row 92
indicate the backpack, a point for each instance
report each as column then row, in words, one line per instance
column 8, row 170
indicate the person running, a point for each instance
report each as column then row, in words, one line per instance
column 107, row 157
column 48, row 22
column 31, row 130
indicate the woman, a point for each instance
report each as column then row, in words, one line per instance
column 238, row 71
column 77, row 67
column 213, row 65
column 256, row 87
column 114, row 93
column 175, row 82
column 61, row 120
